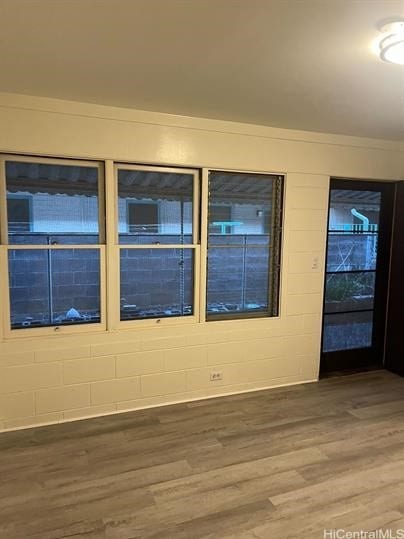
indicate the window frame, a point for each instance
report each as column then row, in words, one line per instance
column 6, row 247
column 109, row 249
column 274, row 268
column 194, row 318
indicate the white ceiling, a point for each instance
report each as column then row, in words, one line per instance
column 302, row 64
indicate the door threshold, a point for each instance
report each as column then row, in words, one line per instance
column 347, row 372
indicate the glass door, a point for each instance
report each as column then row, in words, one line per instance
column 356, row 279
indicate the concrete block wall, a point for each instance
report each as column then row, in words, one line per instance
column 46, row 210
column 155, row 277
column 74, row 283
column 46, row 380
column 353, row 251
column 59, row 377
column 49, row 385
column 228, row 276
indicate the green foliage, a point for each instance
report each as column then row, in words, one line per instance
column 344, row 287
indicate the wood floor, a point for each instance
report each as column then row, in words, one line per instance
column 277, row 464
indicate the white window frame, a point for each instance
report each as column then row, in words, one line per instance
column 109, row 249
column 115, row 247
column 68, row 329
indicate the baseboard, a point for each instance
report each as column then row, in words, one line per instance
column 160, row 405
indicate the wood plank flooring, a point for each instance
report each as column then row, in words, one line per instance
column 279, row 464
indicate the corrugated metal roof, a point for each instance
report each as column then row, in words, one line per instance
column 228, row 187
column 154, row 185
column 82, row 180
column 52, row 179
column 351, row 196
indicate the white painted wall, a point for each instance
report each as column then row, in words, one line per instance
column 57, row 378
column 62, row 213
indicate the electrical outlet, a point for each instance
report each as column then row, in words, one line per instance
column 216, row 375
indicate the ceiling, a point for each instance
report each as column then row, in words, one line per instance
column 301, row 64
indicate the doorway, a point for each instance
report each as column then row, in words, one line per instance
column 356, row 276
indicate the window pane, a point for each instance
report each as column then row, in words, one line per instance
column 234, row 240
column 54, row 287
column 155, row 207
column 238, row 280
column 19, row 213
column 352, row 210
column 243, row 244
column 53, row 239
column 239, row 204
column 52, row 203
column 349, row 251
column 142, row 217
column 347, row 331
column 155, row 239
column 156, row 283
column 349, row 292
column 219, row 219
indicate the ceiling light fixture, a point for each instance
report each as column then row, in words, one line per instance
column 392, row 44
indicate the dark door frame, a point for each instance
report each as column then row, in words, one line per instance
column 394, row 359
column 371, row 357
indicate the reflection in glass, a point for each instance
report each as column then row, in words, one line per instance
column 349, row 291
column 156, row 283
column 45, row 200
column 54, row 287
column 347, row 331
column 155, row 207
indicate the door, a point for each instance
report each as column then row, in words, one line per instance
column 395, row 327
column 356, row 277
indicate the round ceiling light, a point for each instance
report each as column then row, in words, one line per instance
column 392, row 44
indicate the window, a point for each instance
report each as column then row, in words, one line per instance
column 157, row 250
column 69, row 261
column 19, row 213
column 220, row 219
column 244, row 227
column 142, row 217
column 53, row 239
